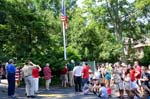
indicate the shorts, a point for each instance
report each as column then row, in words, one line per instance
column 127, row 85
column 121, row 86
column 64, row 77
column 134, row 85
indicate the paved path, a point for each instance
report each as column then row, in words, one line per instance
column 54, row 93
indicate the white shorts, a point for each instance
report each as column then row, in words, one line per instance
column 134, row 85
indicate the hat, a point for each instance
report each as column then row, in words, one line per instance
column 47, row 64
column 123, row 64
column 72, row 61
column 11, row 61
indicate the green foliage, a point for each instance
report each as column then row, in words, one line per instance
column 32, row 29
column 30, row 32
column 146, row 58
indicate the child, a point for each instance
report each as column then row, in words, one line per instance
column 17, row 77
column 96, row 86
column 87, row 88
column 103, row 91
column 109, row 91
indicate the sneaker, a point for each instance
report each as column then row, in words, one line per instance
column 80, row 90
column 12, row 96
column 119, row 97
column 94, row 92
column 28, row 96
column 32, row 97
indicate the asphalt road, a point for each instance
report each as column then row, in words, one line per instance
column 53, row 93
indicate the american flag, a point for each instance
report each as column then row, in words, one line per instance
column 63, row 16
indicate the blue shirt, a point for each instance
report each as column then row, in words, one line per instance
column 11, row 68
column 108, row 76
column 103, row 92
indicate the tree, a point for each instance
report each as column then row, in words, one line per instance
column 90, row 36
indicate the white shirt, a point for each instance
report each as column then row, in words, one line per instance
column 77, row 71
column 97, row 74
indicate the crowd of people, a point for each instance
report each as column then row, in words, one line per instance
column 134, row 80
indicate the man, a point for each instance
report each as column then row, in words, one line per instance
column 85, row 73
column 47, row 75
column 11, row 78
column 27, row 74
column 138, row 71
column 134, row 86
column 77, row 73
column 138, row 75
column 70, row 72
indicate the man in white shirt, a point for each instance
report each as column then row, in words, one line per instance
column 77, row 73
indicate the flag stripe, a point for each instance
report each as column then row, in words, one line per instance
column 63, row 16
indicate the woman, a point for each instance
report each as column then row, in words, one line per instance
column 64, row 76
column 47, row 75
column 118, row 79
column 127, row 82
column 35, row 75
column 102, row 71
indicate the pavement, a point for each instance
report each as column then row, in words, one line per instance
column 53, row 93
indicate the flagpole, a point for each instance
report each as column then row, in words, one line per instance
column 64, row 40
column 64, row 32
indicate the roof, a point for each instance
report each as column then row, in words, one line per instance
column 139, row 45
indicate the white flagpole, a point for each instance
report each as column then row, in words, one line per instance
column 64, row 34
column 64, row 40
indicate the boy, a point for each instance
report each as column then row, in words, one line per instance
column 103, row 91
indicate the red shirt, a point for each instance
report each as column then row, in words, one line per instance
column 85, row 71
column 35, row 72
column 109, row 91
column 64, row 70
column 138, row 69
column 132, row 75
column 47, row 72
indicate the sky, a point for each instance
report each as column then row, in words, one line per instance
column 79, row 2
column 144, row 20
